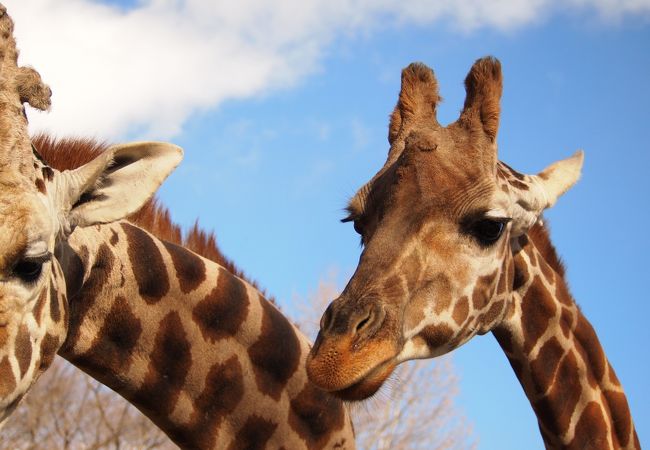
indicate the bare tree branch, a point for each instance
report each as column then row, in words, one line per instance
column 66, row 409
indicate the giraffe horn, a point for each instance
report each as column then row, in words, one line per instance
column 32, row 90
column 22, row 82
column 483, row 87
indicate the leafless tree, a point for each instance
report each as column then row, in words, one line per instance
column 67, row 409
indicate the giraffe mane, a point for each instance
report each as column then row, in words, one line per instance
column 72, row 152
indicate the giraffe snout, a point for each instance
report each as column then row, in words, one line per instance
column 354, row 322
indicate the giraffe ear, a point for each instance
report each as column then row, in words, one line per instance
column 535, row 193
column 116, row 183
column 418, row 99
column 483, row 87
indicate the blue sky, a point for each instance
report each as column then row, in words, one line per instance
column 271, row 159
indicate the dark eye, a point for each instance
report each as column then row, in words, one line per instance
column 358, row 227
column 488, row 231
column 29, row 269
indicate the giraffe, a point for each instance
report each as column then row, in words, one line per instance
column 196, row 348
column 38, row 210
column 453, row 246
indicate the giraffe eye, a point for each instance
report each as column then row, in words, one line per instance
column 358, row 227
column 29, row 269
column 488, row 231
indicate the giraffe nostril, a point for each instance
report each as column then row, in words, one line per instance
column 364, row 322
column 369, row 322
column 326, row 320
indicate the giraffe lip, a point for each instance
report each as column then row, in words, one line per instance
column 368, row 384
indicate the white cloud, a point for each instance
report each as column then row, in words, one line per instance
column 146, row 69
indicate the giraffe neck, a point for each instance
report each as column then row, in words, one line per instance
column 195, row 348
column 558, row 359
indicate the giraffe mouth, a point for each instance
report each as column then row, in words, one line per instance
column 368, row 384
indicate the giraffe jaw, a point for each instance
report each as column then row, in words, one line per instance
column 348, row 371
column 369, row 384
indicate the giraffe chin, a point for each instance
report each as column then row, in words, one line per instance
column 368, row 385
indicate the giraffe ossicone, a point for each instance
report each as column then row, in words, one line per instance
column 453, row 246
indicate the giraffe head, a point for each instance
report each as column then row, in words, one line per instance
column 439, row 223
column 39, row 208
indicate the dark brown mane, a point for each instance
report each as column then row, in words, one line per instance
column 70, row 153
column 540, row 236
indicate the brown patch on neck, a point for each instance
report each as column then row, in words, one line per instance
column 314, row 415
column 255, row 433
column 276, row 354
column 7, row 380
column 147, row 264
column 224, row 390
column 113, row 347
column 168, row 368
column 222, row 312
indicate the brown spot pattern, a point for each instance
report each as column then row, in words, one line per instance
column 483, row 291
column 276, row 353
column 189, row 268
column 621, row 417
column 443, row 293
column 566, row 322
column 112, row 348
column 147, row 264
column 7, row 379
column 114, row 238
column 49, row 347
column 520, row 277
column 562, row 293
column 168, row 368
column 555, row 409
column 220, row 314
column 544, row 366
column 587, row 339
column 40, row 185
column 254, row 435
column 547, row 271
column 537, row 308
column 591, row 429
column 314, row 415
column 23, row 349
column 461, row 310
column 82, row 301
column 518, row 184
column 495, row 311
column 38, row 307
column 224, row 389
column 437, row 336
column 55, row 311
column 48, row 173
